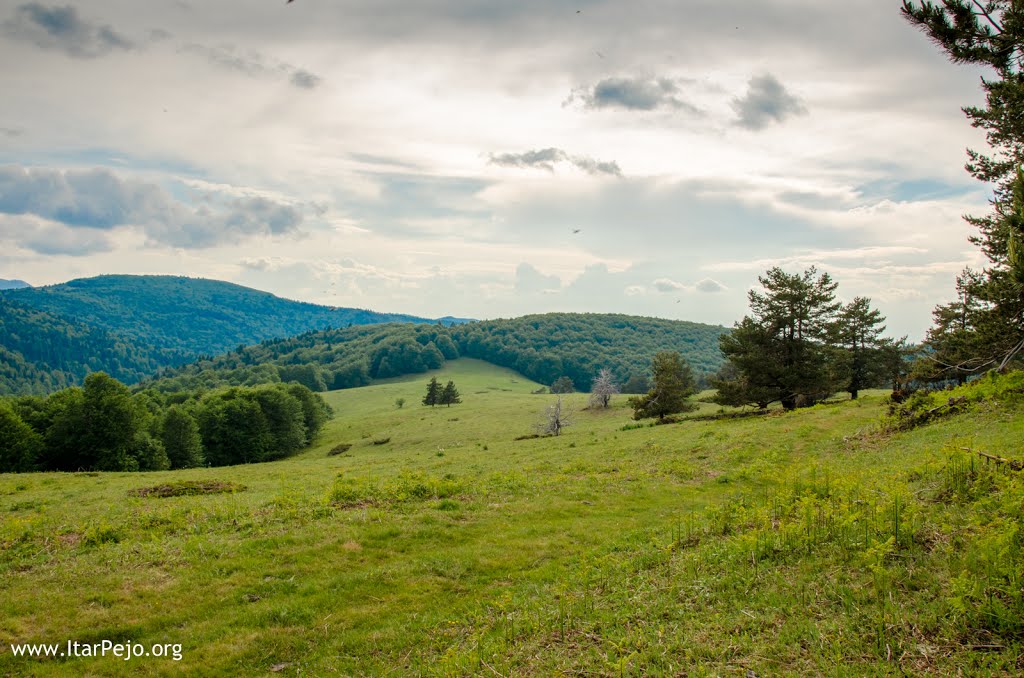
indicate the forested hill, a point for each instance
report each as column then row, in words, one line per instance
column 541, row 347
column 130, row 326
column 577, row 345
column 41, row 353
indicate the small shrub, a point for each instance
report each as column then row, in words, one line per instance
column 407, row 487
column 101, row 533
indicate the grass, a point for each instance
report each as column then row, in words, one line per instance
column 817, row 542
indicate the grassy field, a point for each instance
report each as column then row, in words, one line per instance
column 438, row 544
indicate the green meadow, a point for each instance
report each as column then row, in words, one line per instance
column 430, row 541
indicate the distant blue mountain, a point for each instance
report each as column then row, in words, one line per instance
column 13, row 284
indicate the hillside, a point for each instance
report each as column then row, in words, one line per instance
column 41, row 353
column 805, row 543
column 13, row 284
column 540, row 347
column 155, row 321
column 577, row 345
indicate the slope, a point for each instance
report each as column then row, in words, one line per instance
column 159, row 321
column 541, row 347
column 807, row 543
column 41, row 353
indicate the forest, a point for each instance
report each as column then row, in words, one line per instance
column 103, row 426
column 543, row 348
column 131, row 326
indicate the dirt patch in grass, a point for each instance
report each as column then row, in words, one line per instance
column 187, row 488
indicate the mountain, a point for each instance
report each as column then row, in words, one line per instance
column 13, row 284
column 41, row 352
column 541, row 347
column 134, row 325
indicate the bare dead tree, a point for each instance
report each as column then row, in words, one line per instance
column 555, row 418
column 602, row 389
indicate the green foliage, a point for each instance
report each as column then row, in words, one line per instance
column 673, row 384
column 132, row 326
column 449, row 395
column 563, row 385
column 315, row 412
column 408, row 486
column 20, row 446
column 637, row 384
column 179, row 433
column 433, row 395
column 985, row 327
column 796, row 347
column 41, row 352
column 578, row 345
column 808, row 544
column 104, row 427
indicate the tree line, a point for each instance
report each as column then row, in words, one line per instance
column 104, row 426
column 541, row 347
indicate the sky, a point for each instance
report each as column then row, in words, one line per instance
column 489, row 159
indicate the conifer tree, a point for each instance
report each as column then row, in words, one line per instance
column 450, row 395
column 433, row 395
column 673, row 384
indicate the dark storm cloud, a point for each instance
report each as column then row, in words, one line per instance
column 765, row 102
column 633, row 94
column 62, row 29
column 100, row 200
column 547, row 158
column 253, row 64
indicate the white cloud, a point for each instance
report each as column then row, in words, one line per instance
column 383, row 164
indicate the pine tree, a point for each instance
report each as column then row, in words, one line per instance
column 450, row 395
column 858, row 331
column 987, row 33
column 673, row 384
column 433, row 393
column 780, row 350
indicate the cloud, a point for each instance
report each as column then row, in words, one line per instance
column 766, row 101
column 530, row 280
column 705, row 285
column 98, row 199
column 633, row 94
column 710, row 286
column 668, row 285
column 62, row 29
column 10, row 132
column 253, row 64
column 303, row 79
column 48, row 238
column 547, row 158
